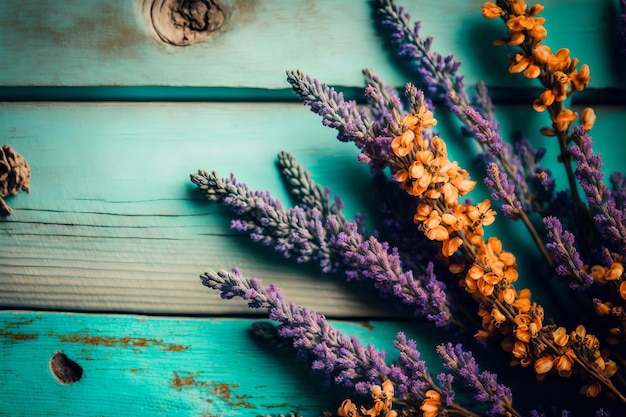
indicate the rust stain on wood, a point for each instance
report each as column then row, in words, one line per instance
column 18, row 337
column 136, row 342
column 215, row 390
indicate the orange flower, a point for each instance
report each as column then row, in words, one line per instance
column 430, row 405
column 580, row 79
column 522, row 329
column 508, row 295
column 591, row 390
column 588, row 118
column 560, row 61
column 544, row 364
column 560, row 336
column 544, row 101
column 564, row 119
column 403, row 144
column 518, row 6
column 488, row 269
column 491, row 10
column 615, row 272
column 347, row 409
column 564, row 363
column 481, row 215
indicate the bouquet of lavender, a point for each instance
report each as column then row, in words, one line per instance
column 431, row 254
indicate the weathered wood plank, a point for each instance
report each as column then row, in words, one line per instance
column 138, row 366
column 111, row 43
column 112, row 222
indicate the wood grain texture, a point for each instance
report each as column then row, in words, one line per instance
column 113, row 223
column 111, row 43
column 140, row 366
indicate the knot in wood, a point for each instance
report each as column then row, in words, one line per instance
column 14, row 175
column 184, row 22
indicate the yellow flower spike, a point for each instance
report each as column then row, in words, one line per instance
column 588, row 118
column 491, row 10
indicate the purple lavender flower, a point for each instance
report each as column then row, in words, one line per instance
column 565, row 255
column 336, row 112
column 307, row 234
column 502, row 190
column 618, row 182
column 484, row 385
column 343, row 361
column 440, row 76
column 610, row 217
column 484, row 130
column 437, row 73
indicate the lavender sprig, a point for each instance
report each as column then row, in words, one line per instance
column 610, row 219
column 304, row 190
column 343, row 360
column 335, row 244
column 439, row 75
column 437, row 72
column 484, row 385
column 384, row 101
column 502, row 190
column 565, row 255
column 336, row 112
column 484, row 130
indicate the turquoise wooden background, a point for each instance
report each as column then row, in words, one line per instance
column 101, row 260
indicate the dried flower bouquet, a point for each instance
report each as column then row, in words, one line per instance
column 431, row 255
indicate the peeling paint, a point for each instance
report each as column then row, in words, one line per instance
column 18, row 337
column 136, row 342
column 214, row 390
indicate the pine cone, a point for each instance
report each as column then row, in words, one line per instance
column 14, row 176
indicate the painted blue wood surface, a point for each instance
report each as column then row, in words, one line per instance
column 110, row 43
column 141, row 366
column 112, row 222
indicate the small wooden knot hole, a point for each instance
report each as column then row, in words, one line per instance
column 185, row 22
column 65, row 370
